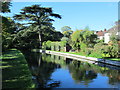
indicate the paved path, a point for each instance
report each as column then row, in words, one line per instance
column 84, row 58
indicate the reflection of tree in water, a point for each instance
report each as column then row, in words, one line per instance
column 81, row 72
column 41, row 70
column 45, row 71
column 84, row 72
column 114, row 75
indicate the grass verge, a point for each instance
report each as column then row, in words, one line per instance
column 15, row 71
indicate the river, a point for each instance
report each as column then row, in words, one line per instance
column 60, row 72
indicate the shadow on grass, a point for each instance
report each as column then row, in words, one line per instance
column 18, row 75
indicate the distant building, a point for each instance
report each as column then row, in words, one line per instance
column 107, row 37
column 106, row 34
column 115, row 30
column 101, row 34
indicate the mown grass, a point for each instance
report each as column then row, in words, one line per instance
column 15, row 71
column 114, row 59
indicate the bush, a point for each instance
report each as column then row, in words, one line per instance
column 98, row 50
column 113, row 50
column 96, row 54
column 88, row 51
column 48, row 45
column 102, row 50
column 83, row 47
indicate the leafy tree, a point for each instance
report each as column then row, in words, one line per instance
column 5, row 6
column 24, row 38
column 8, row 32
column 113, row 50
column 76, row 38
column 38, row 16
column 64, row 39
column 114, row 38
column 83, row 36
column 89, row 38
column 66, row 30
column 8, row 25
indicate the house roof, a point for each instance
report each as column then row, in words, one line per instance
column 114, row 29
column 101, row 33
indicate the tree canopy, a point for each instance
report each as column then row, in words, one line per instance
column 5, row 6
column 66, row 30
column 37, row 16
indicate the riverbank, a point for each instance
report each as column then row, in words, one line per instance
column 82, row 58
column 15, row 71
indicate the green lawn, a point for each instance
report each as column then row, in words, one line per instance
column 15, row 71
column 115, row 59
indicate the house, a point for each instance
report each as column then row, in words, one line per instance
column 101, row 34
column 106, row 34
column 115, row 30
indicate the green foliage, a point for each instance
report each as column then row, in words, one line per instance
column 37, row 16
column 83, row 36
column 64, row 39
column 114, row 38
column 113, row 50
column 66, row 30
column 88, row 51
column 48, row 44
column 102, row 50
column 5, row 6
column 8, row 32
column 24, row 38
column 83, row 47
column 55, row 46
column 98, row 50
column 8, row 25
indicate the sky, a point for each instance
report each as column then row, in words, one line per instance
column 77, row 15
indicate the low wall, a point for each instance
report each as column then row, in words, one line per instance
column 84, row 58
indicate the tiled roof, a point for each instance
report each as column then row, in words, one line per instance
column 114, row 29
column 101, row 33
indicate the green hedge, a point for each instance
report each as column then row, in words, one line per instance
column 55, row 46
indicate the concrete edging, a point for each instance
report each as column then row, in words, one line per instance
column 84, row 58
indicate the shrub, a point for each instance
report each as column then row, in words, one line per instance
column 83, row 47
column 113, row 50
column 88, row 51
column 48, row 45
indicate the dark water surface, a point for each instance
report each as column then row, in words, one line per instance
column 56, row 71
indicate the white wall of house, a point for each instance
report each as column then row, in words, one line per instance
column 106, row 37
column 101, row 37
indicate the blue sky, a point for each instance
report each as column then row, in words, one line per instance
column 77, row 15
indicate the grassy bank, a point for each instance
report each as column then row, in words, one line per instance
column 79, row 53
column 15, row 71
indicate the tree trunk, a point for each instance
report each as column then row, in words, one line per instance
column 40, row 38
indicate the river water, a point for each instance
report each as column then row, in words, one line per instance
column 60, row 72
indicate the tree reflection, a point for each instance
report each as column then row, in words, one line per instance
column 81, row 72
column 41, row 70
column 42, row 66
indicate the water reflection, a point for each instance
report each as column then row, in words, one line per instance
column 80, row 73
column 43, row 66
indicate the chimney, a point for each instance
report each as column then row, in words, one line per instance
column 105, row 30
